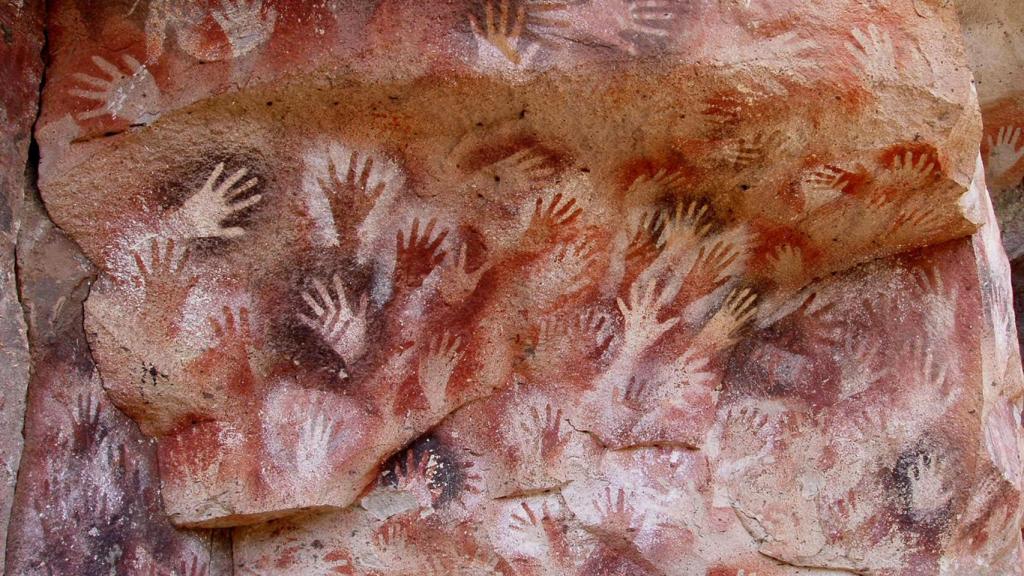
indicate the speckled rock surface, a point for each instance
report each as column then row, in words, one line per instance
column 519, row 287
column 994, row 35
column 21, row 69
column 87, row 500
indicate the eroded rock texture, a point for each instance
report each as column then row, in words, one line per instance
column 87, row 500
column 520, row 287
column 996, row 48
column 21, row 69
column 993, row 32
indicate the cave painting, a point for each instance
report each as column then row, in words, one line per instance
column 497, row 312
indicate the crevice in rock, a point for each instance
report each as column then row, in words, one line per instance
column 108, row 134
column 581, row 42
column 658, row 446
column 31, row 179
column 534, row 492
column 597, row 439
column 35, row 224
column 814, row 566
column 747, row 519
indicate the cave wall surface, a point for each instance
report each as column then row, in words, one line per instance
column 21, row 70
column 994, row 35
column 706, row 288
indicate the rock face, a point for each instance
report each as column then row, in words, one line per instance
column 996, row 47
column 87, row 497
column 87, row 500
column 21, row 69
column 584, row 287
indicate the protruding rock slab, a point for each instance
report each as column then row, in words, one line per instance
column 995, row 48
column 873, row 429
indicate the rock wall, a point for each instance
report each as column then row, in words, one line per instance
column 993, row 33
column 518, row 287
column 21, row 70
column 87, row 500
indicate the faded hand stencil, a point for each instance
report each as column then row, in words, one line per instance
column 556, row 287
column 244, row 25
